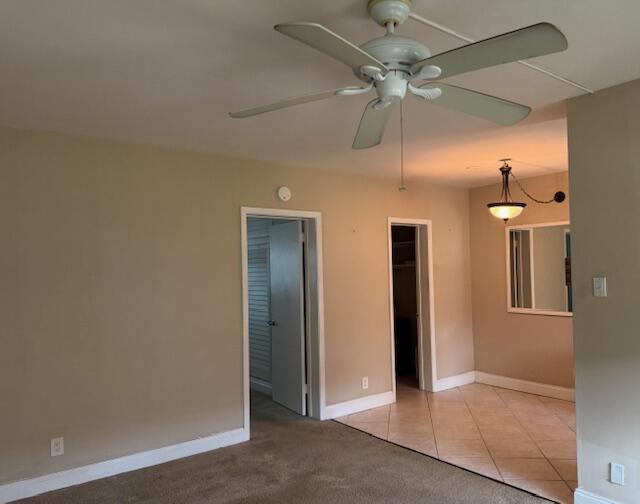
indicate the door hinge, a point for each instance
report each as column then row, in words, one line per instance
column 305, row 388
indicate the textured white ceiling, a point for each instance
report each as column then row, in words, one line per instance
column 167, row 72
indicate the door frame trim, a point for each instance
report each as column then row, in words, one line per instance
column 316, row 352
column 391, row 221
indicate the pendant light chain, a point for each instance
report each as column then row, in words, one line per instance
column 402, row 186
column 542, row 202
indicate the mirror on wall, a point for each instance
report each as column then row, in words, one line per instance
column 539, row 269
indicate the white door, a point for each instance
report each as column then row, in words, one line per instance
column 424, row 307
column 287, row 314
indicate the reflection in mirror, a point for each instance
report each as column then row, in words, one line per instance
column 540, row 268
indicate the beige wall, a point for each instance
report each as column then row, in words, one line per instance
column 529, row 347
column 604, row 152
column 120, row 310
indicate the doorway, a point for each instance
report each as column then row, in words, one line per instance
column 405, row 304
column 283, row 309
column 411, row 307
column 278, row 310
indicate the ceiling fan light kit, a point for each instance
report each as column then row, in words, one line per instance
column 393, row 64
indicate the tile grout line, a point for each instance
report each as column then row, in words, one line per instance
column 499, row 479
column 553, row 413
column 484, row 442
column 535, row 442
column 519, row 421
column 388, row 421
column 433, row 428
column 467, row 403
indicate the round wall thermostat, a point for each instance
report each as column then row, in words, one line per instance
column 284, row 193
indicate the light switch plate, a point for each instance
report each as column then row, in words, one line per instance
column 600, row 286
column 617, row 473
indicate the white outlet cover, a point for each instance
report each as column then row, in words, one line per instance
column 57, row 446
column 617, row 474
column 365, row 382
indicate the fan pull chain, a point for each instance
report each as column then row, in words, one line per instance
column 402, row 187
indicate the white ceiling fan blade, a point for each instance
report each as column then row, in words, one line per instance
column 299, row 100
column 329, row 43
column 372, row 125
column 487, row 107
column 529, row 42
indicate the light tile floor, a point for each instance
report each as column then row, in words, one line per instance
column 522, row 439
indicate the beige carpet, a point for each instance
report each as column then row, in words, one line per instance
column 295, row 459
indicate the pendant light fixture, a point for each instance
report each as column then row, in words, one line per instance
column 506, row 208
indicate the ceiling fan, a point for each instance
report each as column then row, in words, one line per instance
column 392, row 65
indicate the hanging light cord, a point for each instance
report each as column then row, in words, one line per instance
column 543, row 202
column 402, row 186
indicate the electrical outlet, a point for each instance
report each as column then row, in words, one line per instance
column 57, row 446
column 365, row 382
column 616, row 473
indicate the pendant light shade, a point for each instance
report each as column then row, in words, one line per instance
column 506, row 211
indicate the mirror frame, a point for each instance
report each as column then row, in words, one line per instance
column 528, row 311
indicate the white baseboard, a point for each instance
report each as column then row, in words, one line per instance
column 530, row 387
column 260, row 385
column 583, row 497
column 543, row 389
column 454, row 381
column 30, row 487
column 357, row 405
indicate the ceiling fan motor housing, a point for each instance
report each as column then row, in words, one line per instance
column 384, row 12
column 396, row 52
